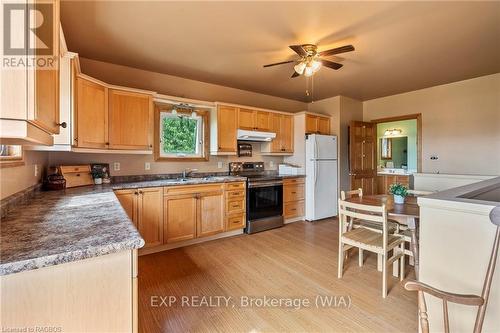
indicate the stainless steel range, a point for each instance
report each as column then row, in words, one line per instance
column 264, row 196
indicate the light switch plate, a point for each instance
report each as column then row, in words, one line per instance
column 116, row 166
column 147, row 166
column 220, row 165
column 271, row 164
column 36, row 170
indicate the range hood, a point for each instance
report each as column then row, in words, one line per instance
column 244, row 135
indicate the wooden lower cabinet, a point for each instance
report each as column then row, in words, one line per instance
column 385, row 181
column 293, row 197
column 211, row 213
column 180, row 217
column 235, row 211
column 144, row 207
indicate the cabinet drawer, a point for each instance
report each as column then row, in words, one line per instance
column 236, row 222
column 294, row 209
column 293, row 192
column 74, row 168
column 235, row 194
column 290, row 181
column 235, row 205
column 187, row 189
column 235, row 186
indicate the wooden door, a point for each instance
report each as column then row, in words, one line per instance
column 287, row 134
column 130, row 120
column 363, row 168
column 311, row 124
column 227, row 123
column 128, row 200
column 211, row 213
column 246, row 119
column 91, row 114
column 150, row 215
column 180, row 214
column 263, row 121
column 324, row 125
column 276, row 144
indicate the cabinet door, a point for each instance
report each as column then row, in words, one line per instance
column 324, row 125
column 227, row 117
column 130, row 120
column 91, row 114
column 287, row 133
column 46, row 81
column 263, row 121
column 180, row 217
column 128, row 200
column 150, row 215
column 246, row 119
column 311, row 124
column 276, row 122
column 211, row 213
column 389, row 180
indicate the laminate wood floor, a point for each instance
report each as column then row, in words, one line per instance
column 296, row 262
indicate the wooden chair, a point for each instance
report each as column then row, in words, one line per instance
column 363, row 238
column 344, row 194
column 474, row 300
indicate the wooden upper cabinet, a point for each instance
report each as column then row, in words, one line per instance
column 150, row 215
column 180, row 217
column 323, row 125
column 246, row 119
column 317, row 124
column 130, row 120
column 263, row 121
column 227, row 123
column 276, row 120
column 286, row 129
column 254, row 120
column 91, row 114
column 211, row 213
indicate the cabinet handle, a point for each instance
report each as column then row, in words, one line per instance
column 107, row 143
column 63, row 124
column 140, row 192
column 294, row 192
column 150, row 146
column 136, row 193
column 293, row 209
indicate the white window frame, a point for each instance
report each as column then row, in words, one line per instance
column 200, row 146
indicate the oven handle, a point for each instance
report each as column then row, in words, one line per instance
column 266, row 184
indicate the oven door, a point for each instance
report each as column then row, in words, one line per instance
column 264, row 200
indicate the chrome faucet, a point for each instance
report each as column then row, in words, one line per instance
column 186, row 172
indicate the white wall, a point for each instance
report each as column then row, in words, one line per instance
column 460, row 124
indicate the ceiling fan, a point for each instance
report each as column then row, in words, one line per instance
column 310, row 59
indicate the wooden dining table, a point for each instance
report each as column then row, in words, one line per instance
column 407, row 213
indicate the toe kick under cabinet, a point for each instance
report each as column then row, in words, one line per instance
column 174, row 214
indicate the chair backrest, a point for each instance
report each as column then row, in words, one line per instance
column 350, row 210
column 349, row 194
column 418, row 193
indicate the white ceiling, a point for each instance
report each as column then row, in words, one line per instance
column 399, row 46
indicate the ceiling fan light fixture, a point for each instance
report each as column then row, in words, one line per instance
column 316, row 65
column 309, row 70
column 299, row 68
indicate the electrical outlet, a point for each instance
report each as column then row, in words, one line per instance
column 147, row 166
column 116, row 166
column 220, row 165
column 36, row 170
column 271, row 164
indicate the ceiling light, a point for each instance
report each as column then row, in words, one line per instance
column 309, row 70
column 299, row 68
column 316, row 65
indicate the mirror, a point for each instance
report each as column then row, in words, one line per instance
column 394, row 151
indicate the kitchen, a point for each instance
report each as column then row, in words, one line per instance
column 151, row 188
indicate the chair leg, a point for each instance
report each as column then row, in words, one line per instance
column 384, row 275
column 402, row 272
column 360, row 257
column 341, row 260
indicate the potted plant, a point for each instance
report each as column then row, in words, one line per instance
column 399, row 191
column 97, row 174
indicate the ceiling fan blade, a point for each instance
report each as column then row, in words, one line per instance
column 330, row 64
column 279, row 63
column 337, row 50
column 299, row 50
column 295, row 74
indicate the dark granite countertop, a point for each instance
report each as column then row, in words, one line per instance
column 73, row 224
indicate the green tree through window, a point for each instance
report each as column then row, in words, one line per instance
column 179, row 135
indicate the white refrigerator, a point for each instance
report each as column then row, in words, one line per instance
column 321, row 176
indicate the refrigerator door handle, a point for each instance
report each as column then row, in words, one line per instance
column 316, row 165
column 316, row 149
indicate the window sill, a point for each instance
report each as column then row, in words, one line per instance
column 11, row 164
column 181, row 159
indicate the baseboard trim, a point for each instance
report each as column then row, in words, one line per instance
column 166, row 247
column 294, row 219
